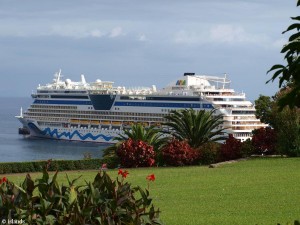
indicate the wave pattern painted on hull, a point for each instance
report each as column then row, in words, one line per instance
column 70, row 135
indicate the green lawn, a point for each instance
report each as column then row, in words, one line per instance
column 260, row 191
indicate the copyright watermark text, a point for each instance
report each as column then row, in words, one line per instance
column 12, row 221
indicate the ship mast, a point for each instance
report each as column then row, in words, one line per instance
column 57, row 75
column 224, row 80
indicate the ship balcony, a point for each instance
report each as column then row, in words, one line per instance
column 245, row 123
column 223, row 94
column 241, row 118
column 234, row 105
column 244, row 128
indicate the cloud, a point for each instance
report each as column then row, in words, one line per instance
column 220, row 34
column 116, row 32
column 229, row 34
column 74, row 31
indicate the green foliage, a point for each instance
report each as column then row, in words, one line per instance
column 151, row 135
column 247, row 148
column 209, row 153
column 286, row 123
column 60, row 165
column 264, row 108
column 103, row 201
column 196, row 127
column 290, row 73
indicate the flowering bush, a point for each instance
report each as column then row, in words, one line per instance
column 231, row 149
column 264, row 140
column 179, row 153
column 136, row 154
column 103, row 201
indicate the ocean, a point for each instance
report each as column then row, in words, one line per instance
column 17, row 148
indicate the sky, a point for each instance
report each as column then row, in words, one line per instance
column 142, row 43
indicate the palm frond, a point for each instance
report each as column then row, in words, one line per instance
column 195, row 127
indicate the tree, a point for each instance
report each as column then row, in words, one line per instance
column 263, row 109
column 197, row 128
column 285, row 122
column 264, row 140
column 289, row 74
column 151, row 135
column 287, row 129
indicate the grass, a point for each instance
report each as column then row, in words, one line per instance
column 260, row 191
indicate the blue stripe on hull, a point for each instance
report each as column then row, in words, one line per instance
column 70, row 135
column 164, row 104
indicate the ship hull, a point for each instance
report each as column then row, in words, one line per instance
column 71, row 134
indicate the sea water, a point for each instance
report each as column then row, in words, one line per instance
column 16, row 148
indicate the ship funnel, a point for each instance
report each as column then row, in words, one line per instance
column 83, row 79
column 153, row 88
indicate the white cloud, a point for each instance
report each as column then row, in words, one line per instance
column 116, row 32
column 220, row 34
column 228, row 33
column 185, row 37
column 75, row 31
column 96, row 33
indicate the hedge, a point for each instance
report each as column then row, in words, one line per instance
column 60, row 165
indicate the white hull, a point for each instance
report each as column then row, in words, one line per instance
column 71, row 134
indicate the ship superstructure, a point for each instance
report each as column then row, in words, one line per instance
column 99, row 111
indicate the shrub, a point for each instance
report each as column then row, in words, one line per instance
column 209, row 152
column 247, row 148
column 231, row 149
column 136, row 154
column 37, row 166
column 264, row 140
column 103, row 201
column 179, row 153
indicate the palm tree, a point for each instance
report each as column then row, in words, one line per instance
column 196, row 127
column 151, row 136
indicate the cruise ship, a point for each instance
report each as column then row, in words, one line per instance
column 99, row 111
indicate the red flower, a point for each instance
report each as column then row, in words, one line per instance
column 123, row 173
column 120, row 172
column 4, row 179
column 151, row 177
